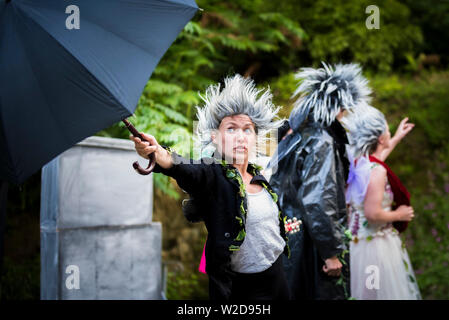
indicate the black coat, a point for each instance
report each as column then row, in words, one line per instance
column 310, row 180
column 215, row 185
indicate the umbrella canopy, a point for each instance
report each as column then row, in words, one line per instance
column 70, row 68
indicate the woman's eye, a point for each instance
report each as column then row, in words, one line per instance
column 248, row 130
column 230, row 129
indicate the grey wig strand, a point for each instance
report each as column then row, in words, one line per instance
column 364, row 128
column 325, row 91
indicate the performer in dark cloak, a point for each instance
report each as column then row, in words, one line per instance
column 246, row 233
column 310, row 169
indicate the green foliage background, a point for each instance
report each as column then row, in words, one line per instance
column 406, row 61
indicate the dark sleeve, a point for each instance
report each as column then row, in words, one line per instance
column 318, row 195
column 192, row 176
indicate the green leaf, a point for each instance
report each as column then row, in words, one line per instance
column 193, row 28
column 155, row 86
column 242, row 192
column 340, row 281
column 241, row 235
column 348, row 234
column 273, row 195
column 230, row 174
column 242, row 208
column 234, row 248
column 172, row 114
column 406, row 264
column 240, row 220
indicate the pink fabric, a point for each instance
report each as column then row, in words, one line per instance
column 202, row 267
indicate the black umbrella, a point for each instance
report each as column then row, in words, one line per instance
column 70, row 68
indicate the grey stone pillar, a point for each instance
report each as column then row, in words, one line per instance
column 98, row 240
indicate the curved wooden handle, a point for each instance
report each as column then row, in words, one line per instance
column 152, row 160
column 150, row 167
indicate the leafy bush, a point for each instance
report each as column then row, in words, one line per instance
column 182, row 285
column 427, row 238
column 20, row 281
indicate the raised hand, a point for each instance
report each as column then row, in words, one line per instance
column 403, row 129
column 145, row 148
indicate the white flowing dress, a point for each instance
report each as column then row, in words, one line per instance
column 379, row 263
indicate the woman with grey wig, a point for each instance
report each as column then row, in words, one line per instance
column 379, row 208
column 246, row 233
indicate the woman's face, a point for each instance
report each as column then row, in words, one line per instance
column 235, row 138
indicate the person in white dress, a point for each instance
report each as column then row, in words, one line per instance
column 379, row 262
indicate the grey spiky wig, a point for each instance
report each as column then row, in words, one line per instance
column 238, row 96
column 364, row 128
column 325, row 91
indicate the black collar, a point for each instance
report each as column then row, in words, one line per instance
column 337, row 132
column 258, row 179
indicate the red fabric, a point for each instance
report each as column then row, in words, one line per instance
column 400, row 194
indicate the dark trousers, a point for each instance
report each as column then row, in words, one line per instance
column 270, row 284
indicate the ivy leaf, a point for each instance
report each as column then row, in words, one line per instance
column 239, row 220
column 241, row 235
column 230, row 174
column 242, row 208
column 234, row 248
column 348, row 234
column 406, row 264
column 340, row 282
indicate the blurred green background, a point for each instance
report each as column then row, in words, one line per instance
column 406, row 61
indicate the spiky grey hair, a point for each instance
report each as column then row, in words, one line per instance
column 364, row 128
column 325, row 91
column 238, row 96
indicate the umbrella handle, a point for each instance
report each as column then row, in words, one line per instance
column 136, row 165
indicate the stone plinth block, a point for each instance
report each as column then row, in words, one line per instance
column 97, row 238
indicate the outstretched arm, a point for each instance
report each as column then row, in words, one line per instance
column 191, row 177
column 403, row 129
